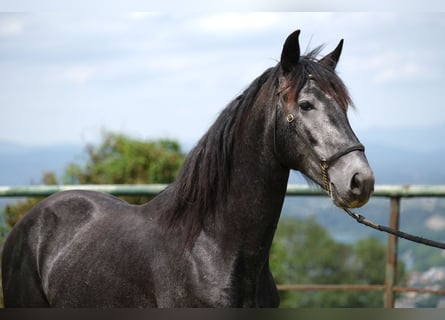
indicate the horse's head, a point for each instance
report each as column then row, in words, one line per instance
column 313, row 132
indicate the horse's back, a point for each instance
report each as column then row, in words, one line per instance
column 62, row 244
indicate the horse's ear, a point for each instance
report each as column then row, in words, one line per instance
column 291, row 52
column 332, row 58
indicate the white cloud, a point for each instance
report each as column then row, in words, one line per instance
column 141, row 15
column 407, row 71
column 78, row 74
column 393, row 66
column 11, row 26
column 231, row 22
column 435, row 223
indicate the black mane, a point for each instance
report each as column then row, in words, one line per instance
column 205, row 176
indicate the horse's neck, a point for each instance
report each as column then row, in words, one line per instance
column 256, row 193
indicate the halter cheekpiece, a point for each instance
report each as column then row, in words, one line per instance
column 324, row 162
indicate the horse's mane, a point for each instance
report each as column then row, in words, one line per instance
column 204, row 179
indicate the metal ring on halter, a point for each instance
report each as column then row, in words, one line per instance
column 290, row 117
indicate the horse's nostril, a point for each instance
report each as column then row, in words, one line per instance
column 361, row 184
column 356, row 183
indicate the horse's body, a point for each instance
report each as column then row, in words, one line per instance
column 205, row 240
column 109, row 253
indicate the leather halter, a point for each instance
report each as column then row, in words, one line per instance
column 323, row 161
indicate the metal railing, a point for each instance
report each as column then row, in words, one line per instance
column 394, row 192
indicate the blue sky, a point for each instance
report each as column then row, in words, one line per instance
column 66, row 77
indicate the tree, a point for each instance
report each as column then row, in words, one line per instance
column 304, row 253
column 118, row 159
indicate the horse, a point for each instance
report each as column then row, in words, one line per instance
column 205, row 240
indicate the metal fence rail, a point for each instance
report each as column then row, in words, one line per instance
column 394, row 192
column 388, row 191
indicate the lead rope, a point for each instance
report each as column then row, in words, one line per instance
column 325, row 177
column 361, row 219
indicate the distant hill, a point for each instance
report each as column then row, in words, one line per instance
column 22, row 165
column 406, row 156
column 395, row 165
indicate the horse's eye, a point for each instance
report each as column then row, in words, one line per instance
column 305, row 106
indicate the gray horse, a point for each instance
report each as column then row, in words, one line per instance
column 205, row 240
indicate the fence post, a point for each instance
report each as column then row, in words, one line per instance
column 391, row 253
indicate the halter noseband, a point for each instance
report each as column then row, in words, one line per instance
column 324, row 162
